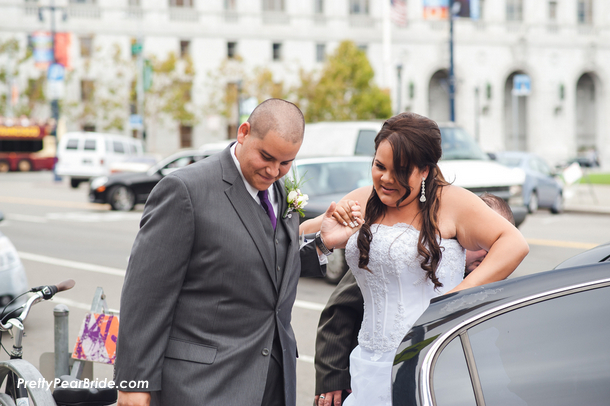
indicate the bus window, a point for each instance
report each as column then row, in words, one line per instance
column 90, row 145
column 72, row 144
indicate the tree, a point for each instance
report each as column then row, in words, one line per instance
column 344, row 89
column 14, row 64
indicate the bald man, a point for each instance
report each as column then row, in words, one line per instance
column 211, row 280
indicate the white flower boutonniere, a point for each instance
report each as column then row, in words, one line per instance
column 295, row 199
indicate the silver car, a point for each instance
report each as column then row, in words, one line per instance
column 13, row 280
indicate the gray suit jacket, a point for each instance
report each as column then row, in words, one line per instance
column 200, row 304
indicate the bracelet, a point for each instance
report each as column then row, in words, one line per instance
column 320, row 244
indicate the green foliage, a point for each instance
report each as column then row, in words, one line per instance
column 13, row 60
column 171, row 90
column 344, row 90
column 222, row 85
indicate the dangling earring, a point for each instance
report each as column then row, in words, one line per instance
column 423, row 190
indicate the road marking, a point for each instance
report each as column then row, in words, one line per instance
column 52, row 203
column 26, row 218
column 306, row 358
column 562, row 244
column 96, row 217
column 78, row 305
column 71, row 264
column 308, row 305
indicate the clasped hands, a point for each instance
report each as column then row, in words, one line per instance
column 340, row 221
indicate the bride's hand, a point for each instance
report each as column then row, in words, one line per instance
column 335, row 234
column 347, row 212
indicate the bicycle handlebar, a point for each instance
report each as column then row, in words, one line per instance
column 45, row 292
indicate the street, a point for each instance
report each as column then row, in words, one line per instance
column 59, row 235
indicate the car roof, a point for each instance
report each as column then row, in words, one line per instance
column 449, row 311
column 332, row 159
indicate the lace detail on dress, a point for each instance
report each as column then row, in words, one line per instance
column 397, row 291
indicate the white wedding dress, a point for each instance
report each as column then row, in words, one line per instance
column 396, row 293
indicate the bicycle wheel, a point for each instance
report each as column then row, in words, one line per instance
column 6, row 400
column 39, row 395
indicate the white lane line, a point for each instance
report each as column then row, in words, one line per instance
column 25, row 217
column 78, row 305
column 306, row 358
column 71, row 264
column 308, row 305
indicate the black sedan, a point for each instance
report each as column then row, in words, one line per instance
column 124, row 190
column 540, row 339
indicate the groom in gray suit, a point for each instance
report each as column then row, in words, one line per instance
column 211, row 281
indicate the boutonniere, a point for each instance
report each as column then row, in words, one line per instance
column 295, row 199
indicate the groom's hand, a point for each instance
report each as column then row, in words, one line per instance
column 133, row 399
column 335, row 234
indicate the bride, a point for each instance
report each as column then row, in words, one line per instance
column 409, row 248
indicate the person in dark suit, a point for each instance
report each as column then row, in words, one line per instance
column 211, row 281
column 340, row 320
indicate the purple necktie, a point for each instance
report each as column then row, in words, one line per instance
column 264, row 196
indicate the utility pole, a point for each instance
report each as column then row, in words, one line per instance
column 54, row 102
column 454, row 8
column 399, row 88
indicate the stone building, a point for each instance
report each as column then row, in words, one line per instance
column 562, row 45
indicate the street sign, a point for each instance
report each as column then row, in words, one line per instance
column 136, row 48
column 522, row 85
column 135, row 122
column 56, row 87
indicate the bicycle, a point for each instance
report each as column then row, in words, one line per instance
column 24, row 385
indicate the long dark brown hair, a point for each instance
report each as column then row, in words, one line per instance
column 416, row 142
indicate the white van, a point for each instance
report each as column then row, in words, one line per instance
column 85, row 155
column 463, row 162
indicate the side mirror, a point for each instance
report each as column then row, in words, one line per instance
column 1, row 216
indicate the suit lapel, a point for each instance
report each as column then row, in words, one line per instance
column 290, row 232
column 246, row 207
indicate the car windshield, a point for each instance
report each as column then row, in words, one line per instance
column 458, row 144
column 327, row 178
column 510, row 161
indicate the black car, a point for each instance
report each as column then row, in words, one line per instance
column 540, row 339
column 124, row 190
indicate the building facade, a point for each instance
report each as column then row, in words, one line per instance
column 561, row 45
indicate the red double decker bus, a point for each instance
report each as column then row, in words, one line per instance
column 26, row 149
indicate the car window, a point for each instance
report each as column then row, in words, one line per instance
column 334, row 177
column 451, row 379
column 119, row 148
column 132, row 149
column 90, row 145
column 458, row 144
column 510, row 161
column 365, row 144
column 543, row 167
column 72, row 144
column 553, row 352
column 180, row 162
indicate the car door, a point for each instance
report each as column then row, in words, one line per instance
column 551, row 351
column 547, row 187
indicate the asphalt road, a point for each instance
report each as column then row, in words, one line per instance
column 59, row 235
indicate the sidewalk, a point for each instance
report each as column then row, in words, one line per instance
column 587, row 198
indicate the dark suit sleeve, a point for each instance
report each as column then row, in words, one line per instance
column 338, row 335
column 310, row 262
column 157, row 266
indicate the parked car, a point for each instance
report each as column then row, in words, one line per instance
column 540, row 339
column 124, row 190
column 463, row 162
column 135, row 164
column 82, row 156
column 541, row 188
column 326, row 180
column 13, row 280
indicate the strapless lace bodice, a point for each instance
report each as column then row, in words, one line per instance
column 397, row 290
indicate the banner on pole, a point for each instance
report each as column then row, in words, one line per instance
column 436, row 9
column 43, row 49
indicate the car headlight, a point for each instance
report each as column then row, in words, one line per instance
column 8, row 254
column 516, row 195
column 98, row 182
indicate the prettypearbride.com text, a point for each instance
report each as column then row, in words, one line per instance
column 41, row 383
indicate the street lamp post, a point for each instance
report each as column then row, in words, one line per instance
column 454, row 8
column 398, row 88
column 55, row 102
